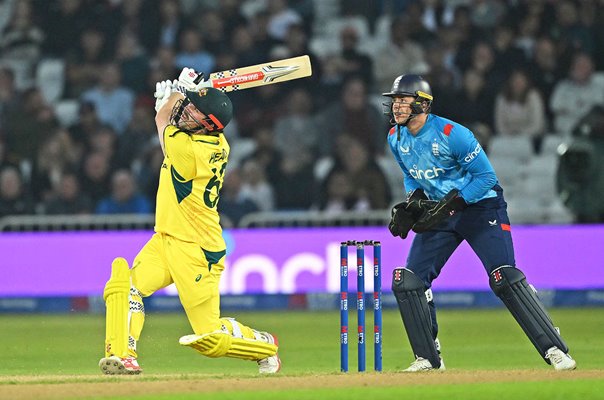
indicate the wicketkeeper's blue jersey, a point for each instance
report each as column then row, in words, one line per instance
column 444, row 155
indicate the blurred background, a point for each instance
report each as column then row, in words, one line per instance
column 79, row 149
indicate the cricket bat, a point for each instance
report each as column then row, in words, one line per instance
column 259, row 75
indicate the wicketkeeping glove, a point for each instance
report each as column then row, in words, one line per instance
column 451, row 204
column 163, row 90
column 405, row 214
column 401, row 221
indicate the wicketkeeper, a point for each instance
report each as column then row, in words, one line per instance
column 187, row 248
column 453, row 195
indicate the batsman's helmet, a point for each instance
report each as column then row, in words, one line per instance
column 413, row 86
column 213, row 103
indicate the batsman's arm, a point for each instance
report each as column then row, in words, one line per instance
column 162, row 118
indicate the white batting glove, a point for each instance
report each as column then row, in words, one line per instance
column 163, row 90
column 177, row 87
column 187, row 78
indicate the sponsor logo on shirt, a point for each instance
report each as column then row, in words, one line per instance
column 471, row 155
column 431, row 173
column 405, row 150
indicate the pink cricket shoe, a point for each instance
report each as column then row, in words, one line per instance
column 115, row 365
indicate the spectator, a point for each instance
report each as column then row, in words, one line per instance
column 519, row 109
column 369, row 188
column 170, row 23
column 27, row 125
column 212, row 27
column 296, row 128
column 9, row 96
column 21, row 42
column 483, row 62
column 3, row 161
column 474, row 106
column 66, row 197
column 124, row 197
column 339, row 195
column 256, row 187
column 113, row 102
column 354, row 115
column 56, row 155
column 353, row 62
column 295, row 188
column 138, row 137
column 84, row 67
column 399, row 54
column 147, row 170
column 281, row 17
column 104, row 141
column 86, row 126
column 487, row 14
column 95, row 176
column 234, row 204
column 576, row 95
column 65, row 20
column 266, row 153
column 244, row 47
column 133, row 62
column 545, row 70
column 192, row 53
column 13, row 199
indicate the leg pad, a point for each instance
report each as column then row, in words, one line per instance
column 510, row 285
column 410, row 294
column 223, row 344
column 116, row 299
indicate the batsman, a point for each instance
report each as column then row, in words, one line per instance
column 453, row 195
column 187, row 248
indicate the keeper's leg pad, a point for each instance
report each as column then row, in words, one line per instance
column 233, row 340
column 116, row 299
column 510, row 285
column 410, row 294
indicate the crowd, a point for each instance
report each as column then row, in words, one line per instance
column 502, row 68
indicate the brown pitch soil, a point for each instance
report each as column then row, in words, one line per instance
column 81, row 387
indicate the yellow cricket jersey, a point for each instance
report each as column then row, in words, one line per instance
column 189, row 185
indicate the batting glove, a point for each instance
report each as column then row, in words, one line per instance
column 162, row 93
column 189, row 79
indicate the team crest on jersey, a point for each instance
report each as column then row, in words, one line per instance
column 203, row 92
column 435, row 149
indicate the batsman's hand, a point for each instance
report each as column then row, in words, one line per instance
column 451, row 204
column 190, row 80
column 163, row 90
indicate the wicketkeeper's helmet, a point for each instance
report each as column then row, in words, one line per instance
column 213, row 103
column 413, row 86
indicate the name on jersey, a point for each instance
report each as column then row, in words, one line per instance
column 218, row 156
column 430, row 173
column 471, row 155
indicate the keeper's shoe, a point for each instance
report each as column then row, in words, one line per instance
column 560, row 360
column 115, row 365
column 272, row 364
column 421, row 365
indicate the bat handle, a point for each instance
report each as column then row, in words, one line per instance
column 199, row 78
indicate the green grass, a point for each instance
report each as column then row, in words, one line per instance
column 564, row 390
column 472, row 340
